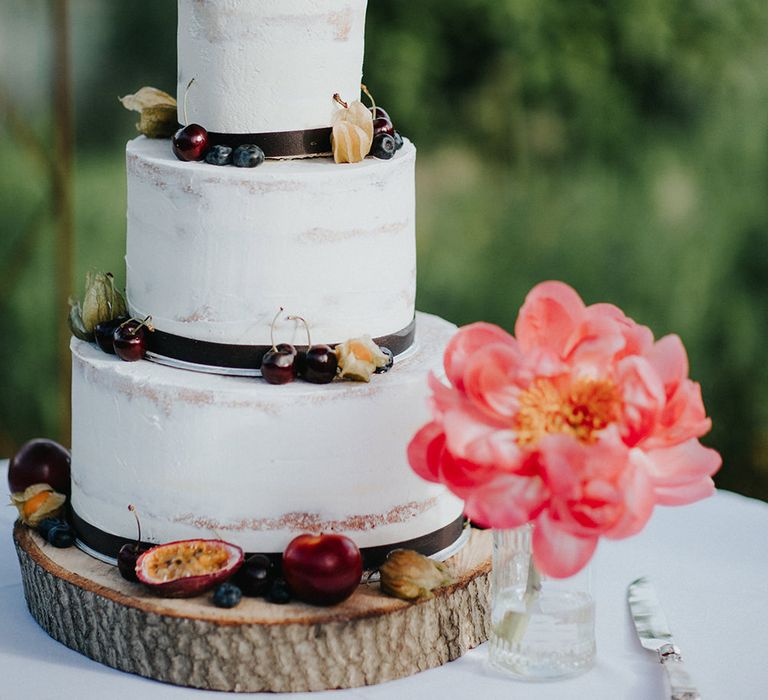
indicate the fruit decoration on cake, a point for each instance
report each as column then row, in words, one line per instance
column 360, row 358
column 188, row 568
column 322, row 569
column 39, row 480
column 352, row 132
column 102, row 302
column 129, row 553
column 129, row 339
column 409, row 575
column 157, row 112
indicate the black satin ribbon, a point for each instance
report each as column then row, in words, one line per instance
column 280, row 144
column 109, row 545
column 203, row 352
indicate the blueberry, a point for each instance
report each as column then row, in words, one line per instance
column 279, row 593
column 61, row 535
column 248, row 156
column 219, row 155
column 398, row 141
column 227, row 595
column 390, row 362
column 384, row 146
column 46, row 524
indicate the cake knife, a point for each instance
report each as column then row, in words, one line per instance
column 651, row 626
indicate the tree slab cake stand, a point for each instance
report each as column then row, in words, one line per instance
column 257, row 646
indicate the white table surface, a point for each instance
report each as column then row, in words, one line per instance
column 709, row 563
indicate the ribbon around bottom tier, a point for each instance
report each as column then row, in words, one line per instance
column 108, row 545
column 204, row 355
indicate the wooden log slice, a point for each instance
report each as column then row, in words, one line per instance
column 256, row 646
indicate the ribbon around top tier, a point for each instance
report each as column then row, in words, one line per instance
column 205, row 353
column 281, row 144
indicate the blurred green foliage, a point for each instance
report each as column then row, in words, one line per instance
column 621, row 147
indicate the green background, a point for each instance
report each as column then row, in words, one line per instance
column 621, row 147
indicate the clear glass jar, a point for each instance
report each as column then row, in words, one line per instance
column 542, row 628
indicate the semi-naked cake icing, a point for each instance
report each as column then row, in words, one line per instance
column 268, row 65
column 199, row 454
column 212, row 254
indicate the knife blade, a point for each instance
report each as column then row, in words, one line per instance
column 653, row 631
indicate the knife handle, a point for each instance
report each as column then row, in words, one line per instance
column 681, row 686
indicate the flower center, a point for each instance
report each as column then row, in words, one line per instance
column 581, row 409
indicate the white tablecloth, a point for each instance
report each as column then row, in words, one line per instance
column 709, row 563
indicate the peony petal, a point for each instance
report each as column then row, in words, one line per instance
column 557, row 553
column 682, row 418
column 425, row 449
column 506, row 501
column 686, row 493
column 638, row 340
column 593, row 345
column 461, row 476
column 493, row 378
column 643, row 398
column 670, row 361
column 638, row 498
column 550, row 313
column 471, row 437
column 465, row 343
column 681, row 464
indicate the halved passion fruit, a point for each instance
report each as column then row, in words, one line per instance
column 189, row 567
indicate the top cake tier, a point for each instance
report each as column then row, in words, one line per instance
column 263, row 66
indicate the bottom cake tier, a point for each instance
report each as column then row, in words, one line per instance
column 201, row 455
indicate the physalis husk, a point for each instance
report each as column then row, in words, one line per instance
column 38, row 502
column 359, row 358
column 352, row 132
column 157, row 109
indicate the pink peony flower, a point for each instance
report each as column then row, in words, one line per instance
column 580, row 423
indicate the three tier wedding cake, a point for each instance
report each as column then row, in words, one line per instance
column 212, row 254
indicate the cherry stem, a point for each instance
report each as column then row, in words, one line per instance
column 186, row 93
column 145, row 322
column 132, row 508
column 370, row 97
column 306, row 326
column 338, row 99
column 272, row 328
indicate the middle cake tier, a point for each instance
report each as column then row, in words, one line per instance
column 213, row 252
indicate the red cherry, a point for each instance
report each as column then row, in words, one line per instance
column 278, row 366
column 130, row 340
column 190, row 142
column 383, row 125
column 322, row 569
column 40, row 461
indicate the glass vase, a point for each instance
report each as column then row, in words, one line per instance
column 542, row 628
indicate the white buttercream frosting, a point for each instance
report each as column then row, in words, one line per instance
column 268, row 65
column 213, row 252
column 201, row 455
